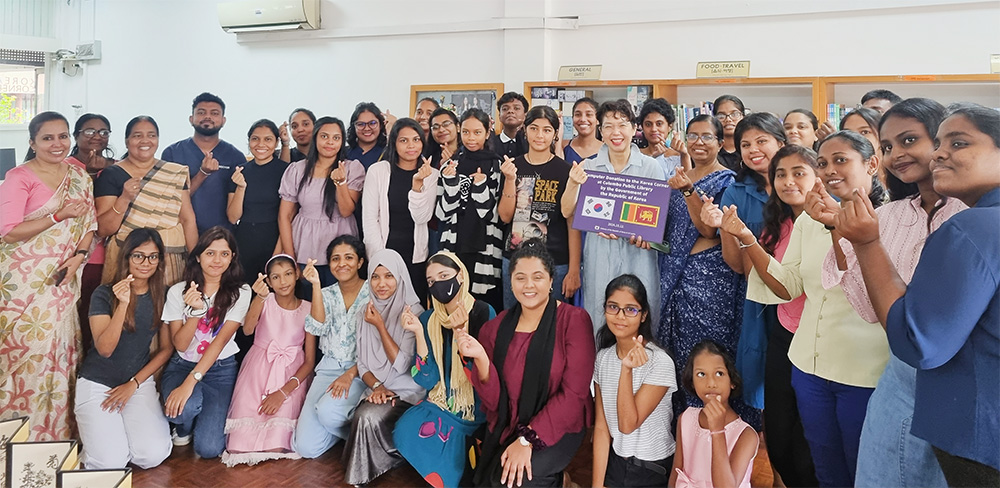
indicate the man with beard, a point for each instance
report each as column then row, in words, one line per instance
column 511, row 141
column 210, row 160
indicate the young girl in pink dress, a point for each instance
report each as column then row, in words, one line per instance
column 714, row 436
column 267, row 398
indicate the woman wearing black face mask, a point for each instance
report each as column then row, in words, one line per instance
column 452, row 408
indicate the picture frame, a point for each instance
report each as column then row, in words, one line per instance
column 460, row 97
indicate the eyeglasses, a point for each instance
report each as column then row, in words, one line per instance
column 735, row 115
column 612, row 309
column 139, row 258
column 443, row 125
column 361, row 125
column 93, row 132
column 706, row 138
column 608, row 128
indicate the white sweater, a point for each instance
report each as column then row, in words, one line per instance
column 375, row 210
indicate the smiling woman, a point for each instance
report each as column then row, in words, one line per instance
column 142, row 191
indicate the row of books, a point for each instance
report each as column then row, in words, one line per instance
column 49, row 464
column 685, row 113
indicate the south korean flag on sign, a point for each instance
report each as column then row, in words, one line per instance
column 598, row 208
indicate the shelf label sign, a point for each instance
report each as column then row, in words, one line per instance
column 994, row 63
column 723, row 69
column 590, row 72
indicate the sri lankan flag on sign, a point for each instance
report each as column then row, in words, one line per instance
column 635, row 213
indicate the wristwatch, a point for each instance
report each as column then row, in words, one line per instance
column 523, row 441
column 197, row 376
column 376, row 385
column 688, row 191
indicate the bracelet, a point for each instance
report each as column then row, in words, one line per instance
column 82, row 251
column 297, row 382
column 261, row 297
column 829, row 227
column 115, row 209
column 204, row 173
column 136, row 382
column 744, row 246
column 531, row 436
column 713, row 432
column 283, row 394
column 52, row 217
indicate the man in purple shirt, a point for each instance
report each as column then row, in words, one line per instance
column 210, row 160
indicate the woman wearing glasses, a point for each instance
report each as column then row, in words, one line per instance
column 366, row 135
column 444, row 132
column 729, row 110
column 702, row 296
column 117, row 408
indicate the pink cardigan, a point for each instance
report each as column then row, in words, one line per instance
column 375, row 210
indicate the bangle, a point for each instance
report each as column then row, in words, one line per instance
column 82, row 251
column 297, row 382
column 829, row 227
column 53, row 218
column 204, row 172
column 136, row 381
column 714, row 432
column 115, row 209
column 283, row 394
column 744, row 246
column 261, row 297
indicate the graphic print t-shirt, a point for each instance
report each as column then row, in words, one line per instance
column 537, row 213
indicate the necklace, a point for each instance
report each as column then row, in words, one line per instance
column 536, row 164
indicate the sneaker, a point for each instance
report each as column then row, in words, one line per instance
column 179, row 440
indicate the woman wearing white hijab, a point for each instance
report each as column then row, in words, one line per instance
column 385, row 355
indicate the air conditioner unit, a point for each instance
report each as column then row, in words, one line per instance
column 269, row 15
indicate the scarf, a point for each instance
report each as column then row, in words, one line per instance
column 370, row 350
column 534, row 387
column 461, row 394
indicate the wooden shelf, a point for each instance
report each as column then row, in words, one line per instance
column 813, row 92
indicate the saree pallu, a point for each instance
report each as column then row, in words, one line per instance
column 158, row 205
column 39, row 324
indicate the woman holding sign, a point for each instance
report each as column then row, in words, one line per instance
column 607, row 258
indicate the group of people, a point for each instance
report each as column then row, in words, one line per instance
column 416, row 288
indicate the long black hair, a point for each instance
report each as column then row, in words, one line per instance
column 36, row 125
column 547, row 113
column 391, row 155
column 352, row 133
column 985, row 119
column 157, row 286
column 632, row 284
column 329, row 189
column 864, row 147
column 765, row 122
column 775, row 210
column 229, row 284
column 929, row 114
column 107, row 153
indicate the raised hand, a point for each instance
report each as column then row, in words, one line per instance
column 711, row 215
column 468, row 346
column 637, row 355
column 339, row 174
column 508, row 168
column 857, row 221
column 825, row 130
column 193, row 298
column 449, row 169
column 821, row 206
column 283, row 133
column 458, row 318
column 679, row 144
column 72, row 209
column 209, row 164
column 238, row 178
column 410, row 322
column 715, row 413
column 446, row 153
column 260, row 286
column 732, row 224
column 123, row 290
column 577, row 174
column 131, row 188
column 478, row 177
column 390, row 120
column 680, row 180
column 310, row 273
column 372, row 316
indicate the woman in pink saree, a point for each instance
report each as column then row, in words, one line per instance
column 47, row 220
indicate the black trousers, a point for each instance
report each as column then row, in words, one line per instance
column 633, row 472
column 256, row 245
column 959, row 471
column 786, row 442
column 548, row 464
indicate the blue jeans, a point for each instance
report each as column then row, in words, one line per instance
column 325, row 420
column 508, row 294
column 208, row 403
column 889, row 455
column 832, row 415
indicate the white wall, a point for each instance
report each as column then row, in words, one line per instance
column 158, row 54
